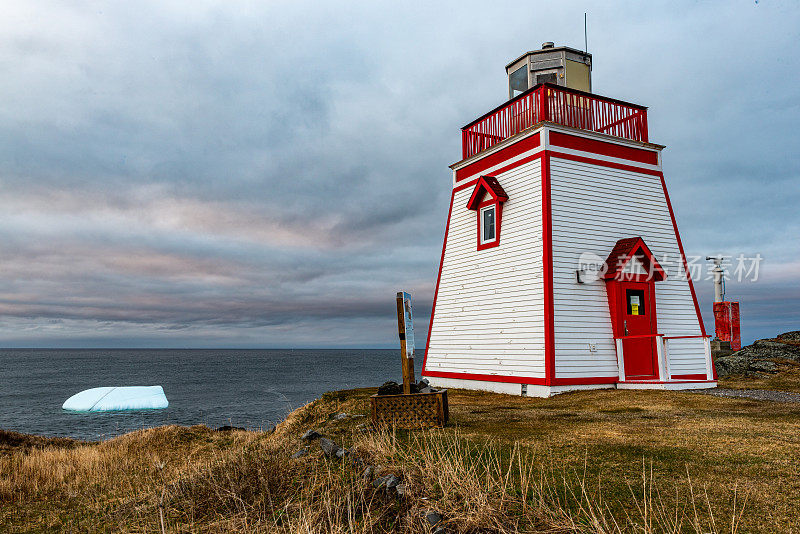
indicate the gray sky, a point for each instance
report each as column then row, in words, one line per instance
column 269, row 174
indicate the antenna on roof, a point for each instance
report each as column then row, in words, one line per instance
column 585, row 38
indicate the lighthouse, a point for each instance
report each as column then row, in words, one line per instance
column 562, row 266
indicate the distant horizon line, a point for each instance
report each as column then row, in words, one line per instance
column 205, row 348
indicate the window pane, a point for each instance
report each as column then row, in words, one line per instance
column 518, row 81
column 550, row 77
column 488, row 224
column 635, row 298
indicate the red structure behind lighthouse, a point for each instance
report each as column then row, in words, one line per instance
column 562, row 267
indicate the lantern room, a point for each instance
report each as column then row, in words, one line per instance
column 562, row 66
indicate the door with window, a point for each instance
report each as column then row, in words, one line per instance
column 638, row 345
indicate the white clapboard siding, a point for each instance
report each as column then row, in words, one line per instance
column 683, row 356
column 489, row 311
column 592, row 208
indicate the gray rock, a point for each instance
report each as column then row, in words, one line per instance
column 763, row 366
column 299, row 454
column 732, row 365
column 341, row 453
column 367, row 474
column 758, row 358
column 310, row 435
column 764, row 348
column 388, row 482
column 340, row 416
column 401, row 489
column 790, row 336
column 433, row 518
column 329, row 447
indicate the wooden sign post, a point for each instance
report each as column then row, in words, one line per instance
column 405, row 327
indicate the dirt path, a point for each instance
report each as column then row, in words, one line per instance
column 757, row 394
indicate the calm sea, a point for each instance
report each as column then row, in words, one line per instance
column 245, row 388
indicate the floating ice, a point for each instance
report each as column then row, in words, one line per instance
column 117, row 398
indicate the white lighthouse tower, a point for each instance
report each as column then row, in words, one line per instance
column 562, row 267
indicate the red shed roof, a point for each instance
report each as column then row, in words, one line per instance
column 486, row 184
column 625, row 250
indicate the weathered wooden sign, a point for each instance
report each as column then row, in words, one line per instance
column 405, row 327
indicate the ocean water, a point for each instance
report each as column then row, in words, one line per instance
column 245, row 388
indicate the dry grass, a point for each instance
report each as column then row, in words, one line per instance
column 604, row 462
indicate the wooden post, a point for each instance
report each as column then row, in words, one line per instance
column 405, row 329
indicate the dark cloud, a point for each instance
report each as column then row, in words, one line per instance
column 222, row 174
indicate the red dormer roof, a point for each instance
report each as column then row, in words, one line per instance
column 627, row 249
column 486, row 184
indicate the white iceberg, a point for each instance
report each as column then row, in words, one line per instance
column 117, row 398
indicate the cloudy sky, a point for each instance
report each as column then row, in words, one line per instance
column 268, row 174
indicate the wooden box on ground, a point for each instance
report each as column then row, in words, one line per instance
column 415, row 410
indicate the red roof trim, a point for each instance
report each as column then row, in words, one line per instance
column 624, row 251
column 604, row 148
column 486, row 184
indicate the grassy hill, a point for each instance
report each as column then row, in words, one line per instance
column 601, row 461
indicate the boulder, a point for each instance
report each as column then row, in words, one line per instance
column 340, row 416
column 300, row 453
column 790, row 336
column 432, row 521
column 388, row 482
column 767, row 348
column 329, row 448
column 732, row 365
column 310, row 435
column 432, row 518
column 368, row 471
column 763, row 366
column 763, row 356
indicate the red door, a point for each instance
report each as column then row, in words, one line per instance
column 638, row 313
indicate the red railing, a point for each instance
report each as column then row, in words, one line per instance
column 560, row 105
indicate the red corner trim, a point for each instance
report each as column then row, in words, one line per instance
column 498, row 157
column 603, row 148
column 547, row 278
column 438, row 279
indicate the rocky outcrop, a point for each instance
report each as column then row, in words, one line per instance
column 763, row 356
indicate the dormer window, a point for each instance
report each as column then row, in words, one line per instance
column 487, row 200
